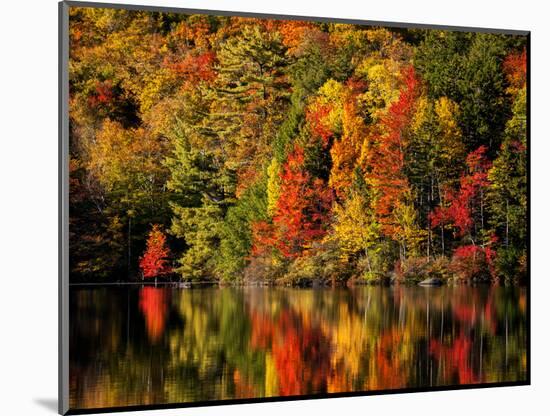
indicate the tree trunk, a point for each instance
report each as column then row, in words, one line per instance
column 429, row 242
column 442, row 241
column 507, row 224
column 481, row 208
column 368, row 259
column 129, row 244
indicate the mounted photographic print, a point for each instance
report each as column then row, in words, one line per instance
column 266, row 208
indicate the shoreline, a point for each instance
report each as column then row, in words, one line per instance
column 194, row 285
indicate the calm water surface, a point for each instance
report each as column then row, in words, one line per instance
column 146, row 345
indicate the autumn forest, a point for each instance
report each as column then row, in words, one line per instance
column 243, row 150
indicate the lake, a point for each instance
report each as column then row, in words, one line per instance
column 139, row 345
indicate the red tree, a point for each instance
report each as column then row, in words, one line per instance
column 386, row 160
column 102, row 94
column 317, row 120
column 301, row 211
column 515, row 68
column 195, row 68
column 472, row 261
column 154, row 261
column 460, row 210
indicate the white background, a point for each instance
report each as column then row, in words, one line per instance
column 28, row 205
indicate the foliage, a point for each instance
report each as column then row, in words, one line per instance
column 294, row 152
column 154, row 261
column 464, row 202
column 473, row 263
column 413, row 269
column 301, row 212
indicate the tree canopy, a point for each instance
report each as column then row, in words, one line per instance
column 266, row 148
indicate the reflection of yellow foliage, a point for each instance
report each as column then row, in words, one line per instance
column 371, row 338
column 271, row 378
column 349, row 339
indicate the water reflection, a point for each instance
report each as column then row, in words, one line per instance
column 153, row 303
column 148, row 345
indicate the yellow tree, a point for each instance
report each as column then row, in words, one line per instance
column 355, row 227
column 273, row 185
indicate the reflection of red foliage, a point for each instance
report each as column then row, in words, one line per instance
column 456, row 358
column 302, row 360
column 465, row 313
column 242, row 387
column 153, row 303
column 489, row 312
column 300, row 351
column 262, row 331
column 390, row 374
column 468, row 309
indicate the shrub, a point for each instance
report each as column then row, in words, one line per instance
column 302, row 271
column 375, row 277
column 326, row 265
column 413, row 269
column 439, row 268
column 264, row 268
column 378, row 268
column 473, row 263
column 510, row 264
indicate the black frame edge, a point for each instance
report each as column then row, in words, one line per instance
column 63, row 205
column 228, row 402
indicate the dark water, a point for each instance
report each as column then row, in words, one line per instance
column 146, row 345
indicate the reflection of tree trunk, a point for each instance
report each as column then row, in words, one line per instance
column 127, row 319
column 155, row 383
column 481, row 354
column 441, row 327
column 506, row 340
